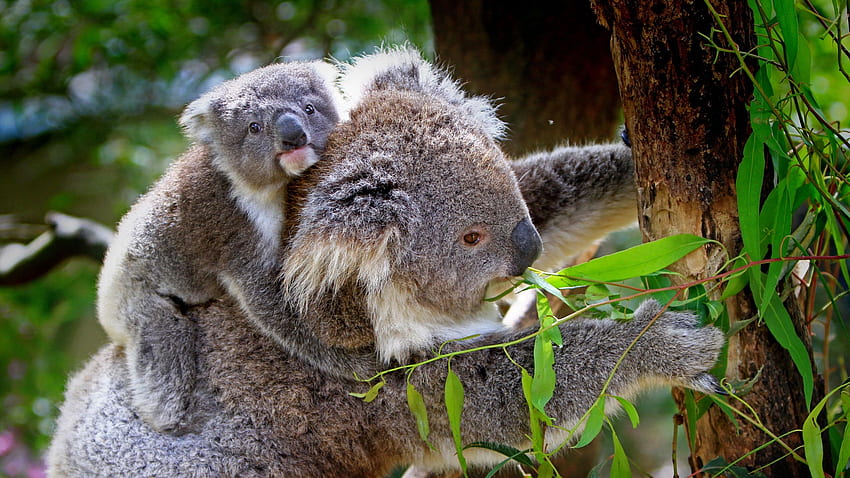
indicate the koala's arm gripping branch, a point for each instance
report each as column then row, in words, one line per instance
column 598, row 356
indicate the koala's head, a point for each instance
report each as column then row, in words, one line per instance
column 414, row 203
column 269, row 124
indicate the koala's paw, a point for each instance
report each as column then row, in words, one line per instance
column 677, row 349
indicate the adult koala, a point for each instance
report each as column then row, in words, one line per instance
column 410, row 214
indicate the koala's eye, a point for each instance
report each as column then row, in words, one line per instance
column 309, row 109
column 471, row 238
column 254, row 128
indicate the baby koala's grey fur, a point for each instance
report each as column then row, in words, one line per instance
column 395, row 235
column 213, row 221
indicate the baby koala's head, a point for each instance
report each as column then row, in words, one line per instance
column 267, row 125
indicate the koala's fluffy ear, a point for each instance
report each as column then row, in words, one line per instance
column 196, row 119
column 353, row 224
column 330, row 72
column 403, row 68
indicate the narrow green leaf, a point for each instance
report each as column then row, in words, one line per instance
column 748, row 184
column 844, row 452
column 545, row 470
column 536, row 279
column 547, row 319
column 631, row 411
column 512, row 453
column 543, row 382
column 738, row 326
column 782, row 328
column 635, row 261
column 371, row 394
column 594, row 423
column 416, row 405
column 780, row 219
column 787, row 16
column 620, row 465
column 812, row 444
column 454, row 408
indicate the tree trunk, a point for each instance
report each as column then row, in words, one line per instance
column 549, row 65
column 686, row 113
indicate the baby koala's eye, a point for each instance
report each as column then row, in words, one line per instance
column 254, row 128
column 471, row 238
column 309, row 109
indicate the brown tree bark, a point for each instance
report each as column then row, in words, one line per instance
column 686, row 112
column 548, row 64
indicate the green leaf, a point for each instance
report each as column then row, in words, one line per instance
column 543, row 382
column 547, row 319
column 594, row 423
column 371, row 393
column 454, row 408
column 620, row 465
column 748, row 184
column 416, row 405
column 780, row 219
column 536, row 279
column 844, row 451
column 787, row 16
column 813, row 445
column 545, row 470
column 639, row 260
column 782, row 328
column 512, row 453
column 631, row 411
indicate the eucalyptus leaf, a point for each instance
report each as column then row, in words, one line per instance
column 631, row 411
column 595, row 420
column 620, row 464
column 454, row 396
column 416, row 405
column 636, row 261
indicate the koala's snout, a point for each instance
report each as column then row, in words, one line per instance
column 290, row 132
column 528, row 246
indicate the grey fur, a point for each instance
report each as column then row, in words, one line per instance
column 209, row 224
column 388, row 217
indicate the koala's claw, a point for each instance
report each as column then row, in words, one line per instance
column 707, row 383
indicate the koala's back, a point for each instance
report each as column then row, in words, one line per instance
column 165, row 242
column 99, row 435
column 264, row 419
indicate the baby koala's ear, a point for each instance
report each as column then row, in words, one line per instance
column 196, row 119
column 403, row 68
column 329, row 73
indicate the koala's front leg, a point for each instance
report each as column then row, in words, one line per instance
column 669, row 349
column 675, row 349
column 162, row 363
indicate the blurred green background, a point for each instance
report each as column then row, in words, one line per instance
column 89, row 94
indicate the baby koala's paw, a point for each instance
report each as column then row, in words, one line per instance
column 676, row 349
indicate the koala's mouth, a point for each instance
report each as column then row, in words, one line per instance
column 295, row 161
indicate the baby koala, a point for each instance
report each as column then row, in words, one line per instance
column 211, row 226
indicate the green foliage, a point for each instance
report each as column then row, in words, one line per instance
column 454, row 408
column 35, row 347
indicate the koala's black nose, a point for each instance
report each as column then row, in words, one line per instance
column 528, row 246
column 290, row 131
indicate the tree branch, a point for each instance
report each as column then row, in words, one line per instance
column 67, row 237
